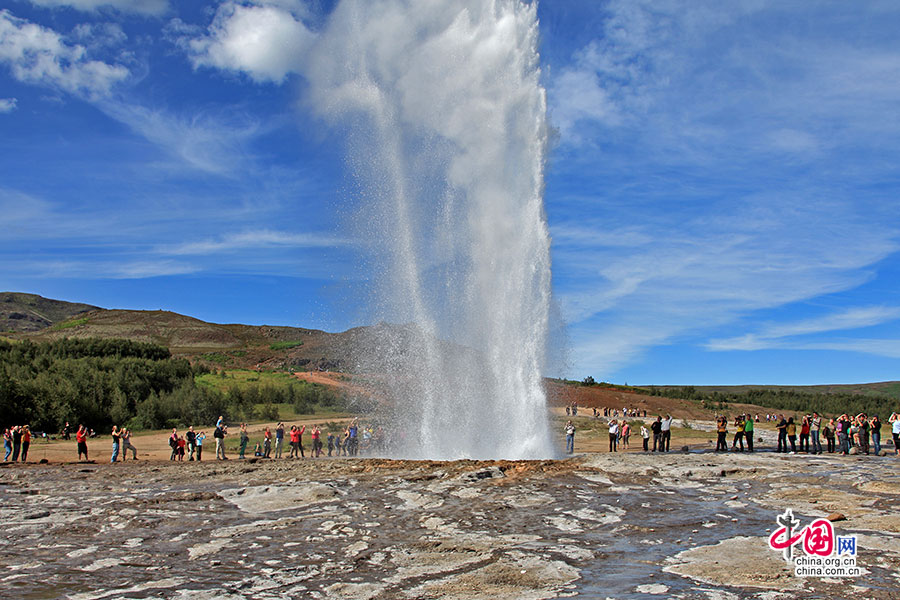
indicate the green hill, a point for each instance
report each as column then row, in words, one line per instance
column 29, row 312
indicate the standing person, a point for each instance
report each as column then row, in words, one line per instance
column 279, row 439
column 656, row 428
column 191, row 439
column 267, row 443
column 115, row 444
column 895, row 430
column 792, row 434
column 781, row 426
column 330, row 440
column 26, row 442
column 126, row 445
column 748, row 431
column 173, row 444
column 875, row 428
column 645, row 435
column 295, row 442
column 182, row 444
column 220, row 434
column 81, row 440
column 316, row 436
column 199, row 439
column 300, row 431
column 7, row 443
column 815, row 425
column 245, row 439
column 863, row 423
column 570, row 438
column 613, row 435
column 739, row 425
column 666, row 433
column 17, row 442
column 722, row 433
column 828, row 432
column 626, row 433
column 352, row 438
column 65, row 431
column 843, row 432
column 804, row 434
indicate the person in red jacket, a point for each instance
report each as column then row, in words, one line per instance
column 316, row 441
column 81, row 440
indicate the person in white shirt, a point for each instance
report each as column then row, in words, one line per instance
column 570, row 438
column 613, row 435
column 645, row 434
column 666, row 431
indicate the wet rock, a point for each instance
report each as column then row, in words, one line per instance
column 268, row 498
column 652, row 588
column 42, row 514
column 742, row 561
column 491, row 473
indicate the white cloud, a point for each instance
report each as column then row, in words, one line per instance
column 7, row 105
column 701, row 77
column 99, row 35
column 252, row 239
column 267, row 40
column 141, row 7
column 39, row 55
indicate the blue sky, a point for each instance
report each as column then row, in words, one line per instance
column 721, row 188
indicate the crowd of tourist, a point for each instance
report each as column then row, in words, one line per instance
column 846, row 434
column 16, row 440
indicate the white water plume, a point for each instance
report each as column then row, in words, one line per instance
column 447, row 136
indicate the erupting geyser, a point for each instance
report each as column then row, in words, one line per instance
column 447, row 135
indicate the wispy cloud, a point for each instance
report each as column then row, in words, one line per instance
column 7, row 105
column 252, row 239
column 738, row 166
column 778, row 335
column 104, row 269
column 141, row 7
column 889, row 348
column 201, row 141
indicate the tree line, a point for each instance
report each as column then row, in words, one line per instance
column 101, row 382
column 825, row 403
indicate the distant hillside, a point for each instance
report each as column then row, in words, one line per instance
column 233, row 346
column 30, row 312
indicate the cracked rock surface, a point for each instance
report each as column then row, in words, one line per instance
column 631, row 526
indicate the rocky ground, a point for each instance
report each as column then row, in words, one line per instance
column 594, row 526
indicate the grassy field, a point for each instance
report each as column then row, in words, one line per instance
column 244, row 377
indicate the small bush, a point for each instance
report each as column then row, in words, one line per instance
column 284, row 345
